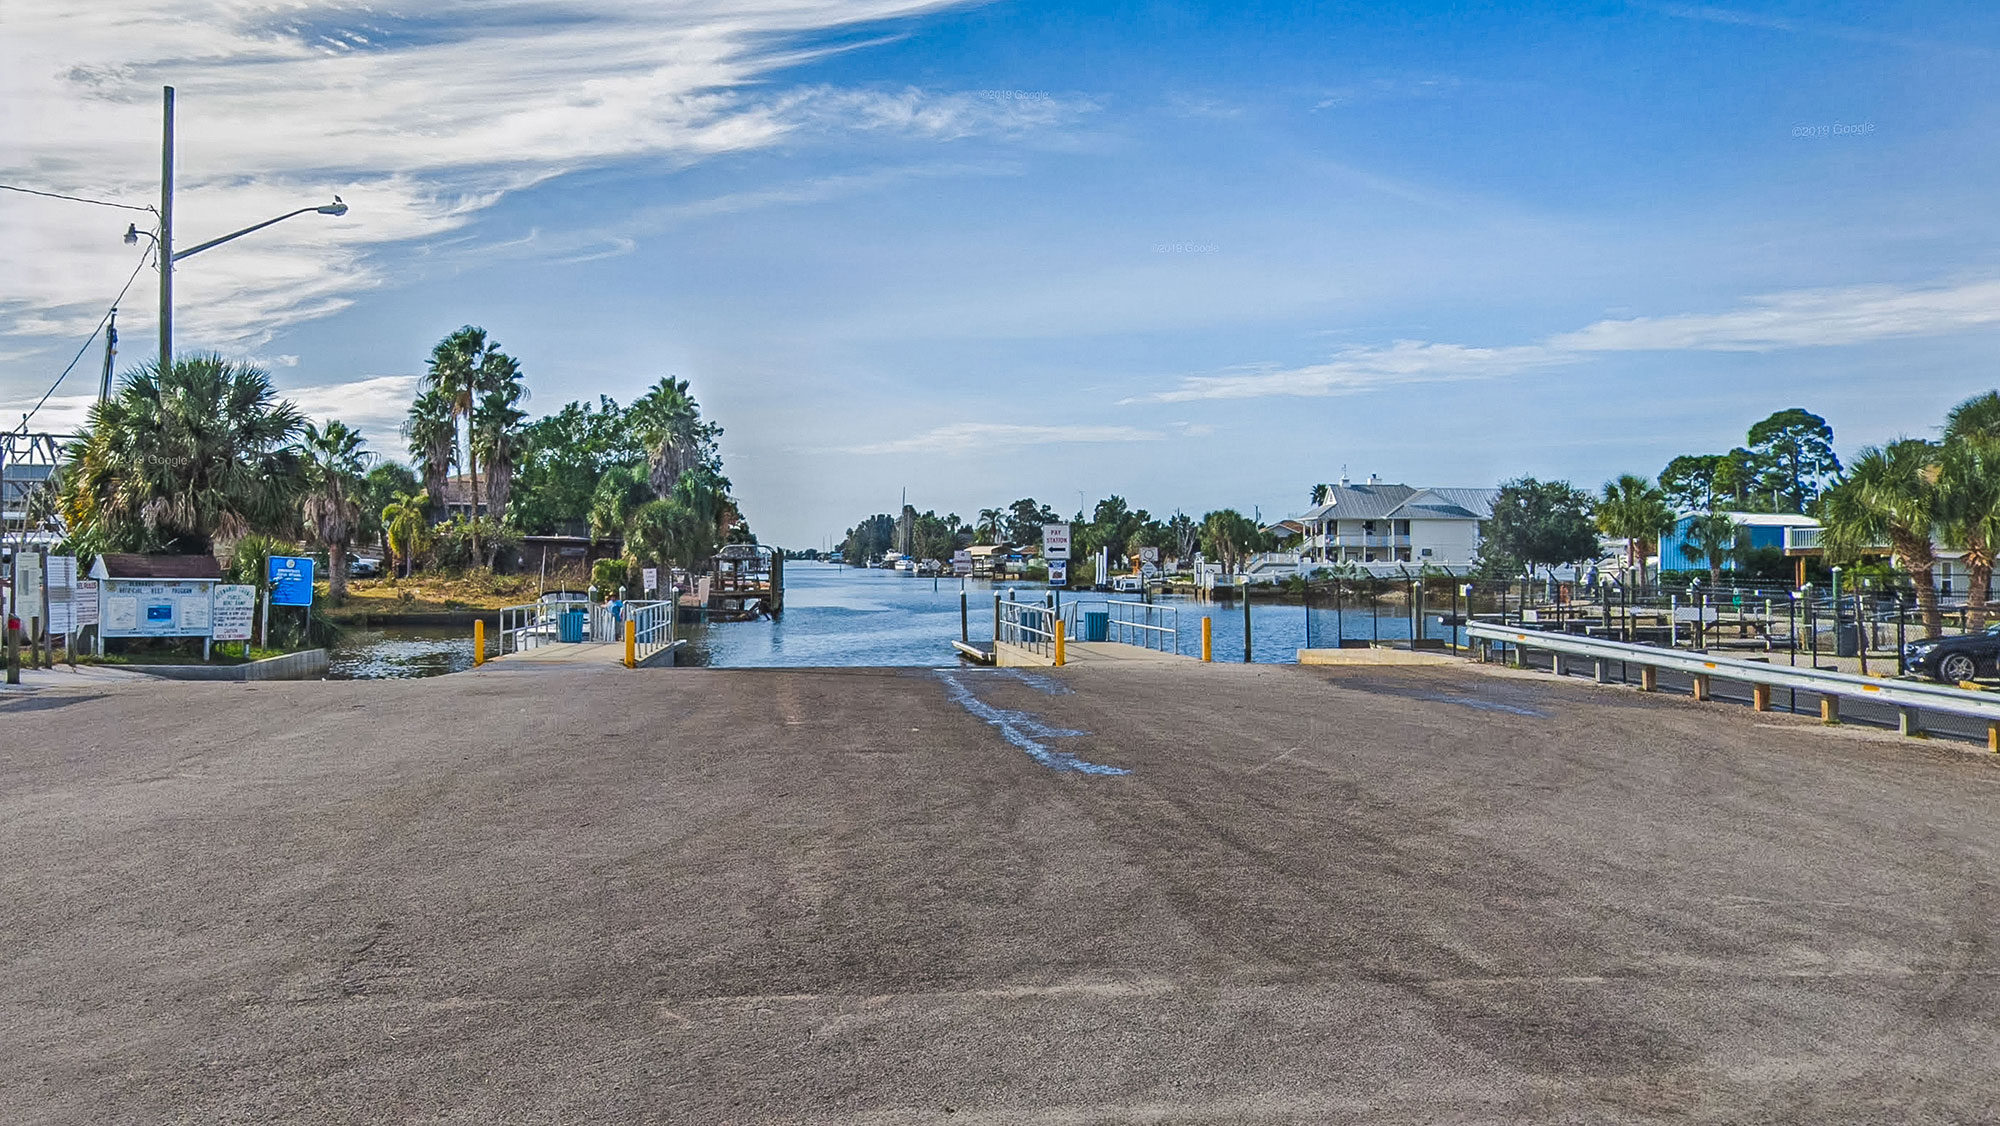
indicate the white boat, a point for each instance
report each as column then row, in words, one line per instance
column 907, row 566
column 1127, row 584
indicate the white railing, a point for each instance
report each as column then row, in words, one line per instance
column 1148, row 625
column 652, row 627
column 1030, row 625
column 535, row 624
column 1910, row 697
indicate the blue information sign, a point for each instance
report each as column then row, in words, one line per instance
column 291, row 581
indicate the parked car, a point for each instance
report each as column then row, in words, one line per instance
column 1967, row 656
column 362, row 567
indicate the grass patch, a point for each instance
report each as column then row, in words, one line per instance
column 436, row 593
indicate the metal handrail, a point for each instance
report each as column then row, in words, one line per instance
column 531, row 625
column 1899, row 693
column 652, row 627
column 1030, row 625
column 1142, row 630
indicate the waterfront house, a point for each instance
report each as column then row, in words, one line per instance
column 1387, row 528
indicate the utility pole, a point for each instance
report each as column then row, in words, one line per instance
column 166, row 243
column 110, row 355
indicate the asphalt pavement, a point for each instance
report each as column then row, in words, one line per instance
column 1150, row 893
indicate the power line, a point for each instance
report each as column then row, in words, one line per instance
column 101, row 322
column 73, row 198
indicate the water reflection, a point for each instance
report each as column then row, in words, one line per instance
column 400, row 653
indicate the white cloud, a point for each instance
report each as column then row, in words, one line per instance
column 376, row 406
column 1800, row 319
column 419, row 118
column 984, row 437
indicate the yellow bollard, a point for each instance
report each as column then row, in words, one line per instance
column 1207, row 639
column 1059, row 643
column 479, row 641
column 631, row 644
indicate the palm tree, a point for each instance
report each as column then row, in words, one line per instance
column 403, row 522
column 991, row 523
column 1713, row 537
column 432, row 431
column 668, row 423
column 332, row 510
column 183, row 457
column 496, row 438
column 465, row 367
column 1889, row 495
column 1635, row 510
column 620, row 493
column 1969, row 494
column 1320, row 493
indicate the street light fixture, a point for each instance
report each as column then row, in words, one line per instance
column 164, row 240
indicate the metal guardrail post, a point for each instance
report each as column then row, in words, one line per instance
column 478, row 641
column 1059, row 654
column 631, row 643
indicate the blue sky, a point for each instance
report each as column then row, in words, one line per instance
column 1198, row 255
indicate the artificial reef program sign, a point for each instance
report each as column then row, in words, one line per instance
column 154, row 608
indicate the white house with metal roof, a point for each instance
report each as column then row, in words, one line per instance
column 1390, row 528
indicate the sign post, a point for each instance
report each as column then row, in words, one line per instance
column 1055, row 549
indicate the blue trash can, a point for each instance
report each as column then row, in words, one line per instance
column 1096, row 625
column 569, row 627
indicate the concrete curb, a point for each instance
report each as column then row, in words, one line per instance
column 303, row 665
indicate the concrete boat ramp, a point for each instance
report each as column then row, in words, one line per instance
column 1122, row 891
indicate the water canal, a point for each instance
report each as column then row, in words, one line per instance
column 844, row 616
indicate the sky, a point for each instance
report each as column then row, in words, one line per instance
column 1197, row 255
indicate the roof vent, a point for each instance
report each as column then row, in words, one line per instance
column 1374, row 480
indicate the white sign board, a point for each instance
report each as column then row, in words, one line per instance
column 27, row 586
column 154, row 607
column 83, row 602
column 1055, row 541
column 961, row 562
column 1149, row 555
column 651, row 577
column 235, row 612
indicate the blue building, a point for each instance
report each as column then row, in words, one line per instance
column 1780, row 530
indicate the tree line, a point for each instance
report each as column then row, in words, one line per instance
column 1224, row 536
column 205, row 454
column 1903, row 500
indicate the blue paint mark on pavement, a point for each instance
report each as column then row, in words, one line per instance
column 1024, row 730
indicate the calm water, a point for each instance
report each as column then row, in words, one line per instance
column 847, row 616
column 400, row 653
column 844, row 616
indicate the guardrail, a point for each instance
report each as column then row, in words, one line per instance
column 1909, row 698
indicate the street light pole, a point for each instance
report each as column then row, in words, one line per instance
column 166, row 244
column 163, row 241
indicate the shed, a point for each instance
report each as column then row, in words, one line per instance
column 155, row 595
